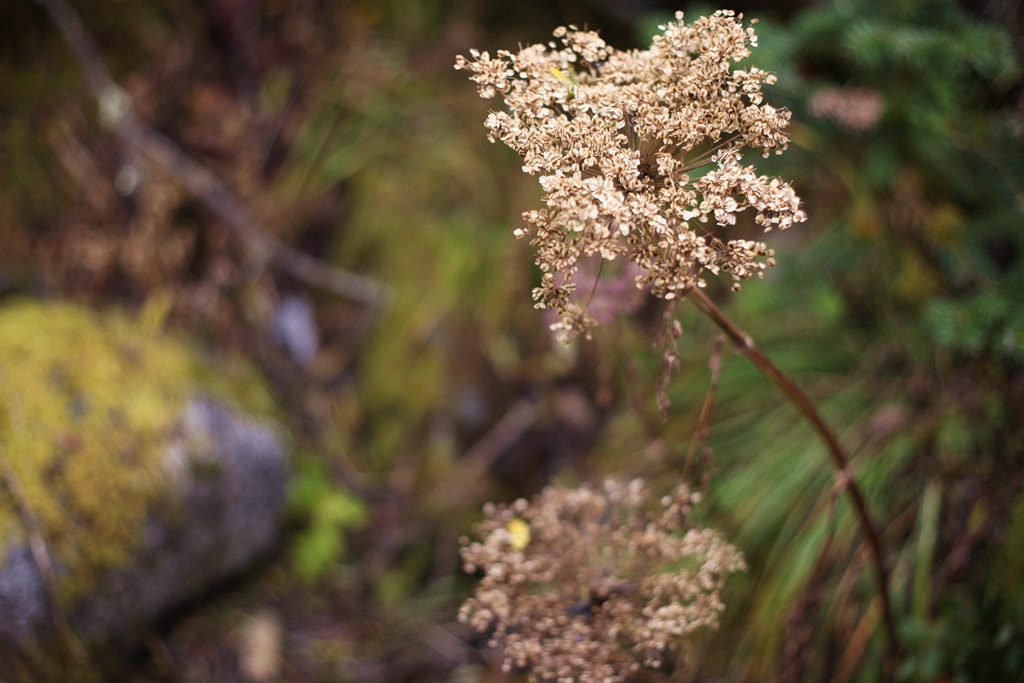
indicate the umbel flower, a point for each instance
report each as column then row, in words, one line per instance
column 593, row 584
column 640, row 155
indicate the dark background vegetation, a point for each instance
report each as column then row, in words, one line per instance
column 898, row 306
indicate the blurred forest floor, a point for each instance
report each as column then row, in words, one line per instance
column 343, row 128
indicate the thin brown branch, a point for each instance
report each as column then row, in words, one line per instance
column 700, row 437
column 264, row 248
column 844, row 474
column 485, row 452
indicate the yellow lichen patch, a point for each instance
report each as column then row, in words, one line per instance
column 87, row 403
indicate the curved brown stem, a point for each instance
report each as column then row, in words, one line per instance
column 742, row 341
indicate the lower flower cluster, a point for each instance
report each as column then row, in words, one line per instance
column 594, row 584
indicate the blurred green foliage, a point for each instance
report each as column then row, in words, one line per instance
column 897, row 307
column 327, row 512
column 902, row 314
column 932, row 190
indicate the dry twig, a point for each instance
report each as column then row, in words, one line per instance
column 264, row 248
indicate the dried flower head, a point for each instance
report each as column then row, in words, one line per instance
column 639, row 153
column 599, row 583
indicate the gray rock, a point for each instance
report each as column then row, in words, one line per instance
column 222, row 513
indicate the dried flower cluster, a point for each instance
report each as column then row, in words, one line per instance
column 594, row 584
column 639, row 153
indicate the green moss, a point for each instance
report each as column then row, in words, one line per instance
column 87, row 404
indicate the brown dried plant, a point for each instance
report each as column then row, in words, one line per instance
column 639, row 153
column 594, row 584
column 640, row 157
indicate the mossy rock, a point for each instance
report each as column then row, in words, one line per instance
column 149, row 475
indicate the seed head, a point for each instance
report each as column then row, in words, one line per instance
column 607, row 580
column 640, row 155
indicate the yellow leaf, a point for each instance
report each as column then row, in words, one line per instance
column 569, row 78
column 519, row 531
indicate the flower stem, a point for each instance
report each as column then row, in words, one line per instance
column 844, row 474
